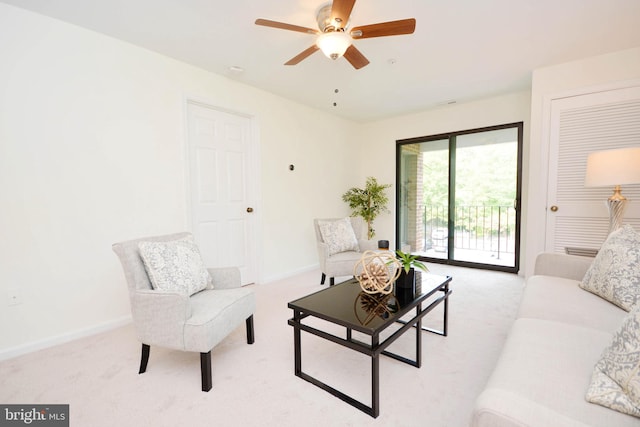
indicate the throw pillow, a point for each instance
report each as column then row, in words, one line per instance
column 175, row 266
column 616, row 377
column 615, row 272
column 338, row 235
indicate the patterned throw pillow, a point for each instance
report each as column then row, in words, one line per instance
column 338, row 235
column 615, row 272
column 175, row 266
column 616, row 377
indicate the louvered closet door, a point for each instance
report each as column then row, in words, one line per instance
column 577, row 217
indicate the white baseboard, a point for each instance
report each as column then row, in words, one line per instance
column 61, row 339
column 289, row 274
column 12, row 352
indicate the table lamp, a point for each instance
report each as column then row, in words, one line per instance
column 614, row 167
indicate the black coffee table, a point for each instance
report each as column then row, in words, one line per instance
column 347, row 305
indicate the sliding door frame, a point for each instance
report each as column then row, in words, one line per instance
column 451, row 137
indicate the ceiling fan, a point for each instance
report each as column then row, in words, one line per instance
column 334, row 39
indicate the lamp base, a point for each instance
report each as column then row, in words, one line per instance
column 616, row 204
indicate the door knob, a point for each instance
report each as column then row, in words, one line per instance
column 249, row 210
column 554, row 208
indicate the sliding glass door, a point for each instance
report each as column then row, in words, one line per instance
column 458, row 197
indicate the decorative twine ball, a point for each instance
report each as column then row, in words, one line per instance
column 377, row 271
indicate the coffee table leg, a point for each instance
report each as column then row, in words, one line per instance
column 418, row 329
column 446, row 310
column 297, row 344
column 445, row 296
column 375, row 381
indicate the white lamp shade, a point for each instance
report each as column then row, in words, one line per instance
column 334, row 44
column 613, row 167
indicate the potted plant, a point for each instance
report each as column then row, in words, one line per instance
column 368, row 202
column 407, row 279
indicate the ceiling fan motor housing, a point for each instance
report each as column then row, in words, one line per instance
column 325, row 24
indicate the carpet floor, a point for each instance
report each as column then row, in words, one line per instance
column 254, row 385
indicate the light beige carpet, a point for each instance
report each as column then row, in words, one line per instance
column 254, row 385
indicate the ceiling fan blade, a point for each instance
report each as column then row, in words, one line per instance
column 302, row 55
column 283, row 26
column 341, row 11
column 356, row 58
column 392, row 28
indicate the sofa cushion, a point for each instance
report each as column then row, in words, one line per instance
column 555, row 298
column 175, row 266
column 615, row 272
column 541, row 377
column 338, row 235
column 616, row 377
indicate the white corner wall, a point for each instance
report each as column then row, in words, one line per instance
column 92, row 152
column 378, row 140
column 558, row 81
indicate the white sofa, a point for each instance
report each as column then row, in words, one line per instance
column 545, row 367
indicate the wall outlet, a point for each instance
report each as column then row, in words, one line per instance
column 14, row 297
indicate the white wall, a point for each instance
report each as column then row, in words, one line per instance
column 569, row 79
column 378, row 139
column 92, row 152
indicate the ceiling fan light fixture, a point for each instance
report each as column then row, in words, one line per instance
column 336, row 36
column 334, row 44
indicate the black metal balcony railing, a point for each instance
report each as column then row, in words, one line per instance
column 478, row 228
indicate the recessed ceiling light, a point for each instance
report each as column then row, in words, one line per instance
column 448, row 102
column 234, row 69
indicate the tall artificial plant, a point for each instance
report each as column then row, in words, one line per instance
column 368, row 202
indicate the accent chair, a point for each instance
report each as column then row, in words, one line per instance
column 340, row 242
column 168, row 314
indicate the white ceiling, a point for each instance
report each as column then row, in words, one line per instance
column 461, row 49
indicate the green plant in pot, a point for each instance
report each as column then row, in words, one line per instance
column 368, row 202
column 407, row 279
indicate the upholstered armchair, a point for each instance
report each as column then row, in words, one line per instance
column 341, row 242
column 176, row 303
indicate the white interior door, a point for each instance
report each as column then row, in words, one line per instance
column 223, row 187
column 577, row 216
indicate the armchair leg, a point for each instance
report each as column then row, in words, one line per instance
column 144, row 359
column 205, row 370
column 250, row 335
column 332, row 281
column 324, row 276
